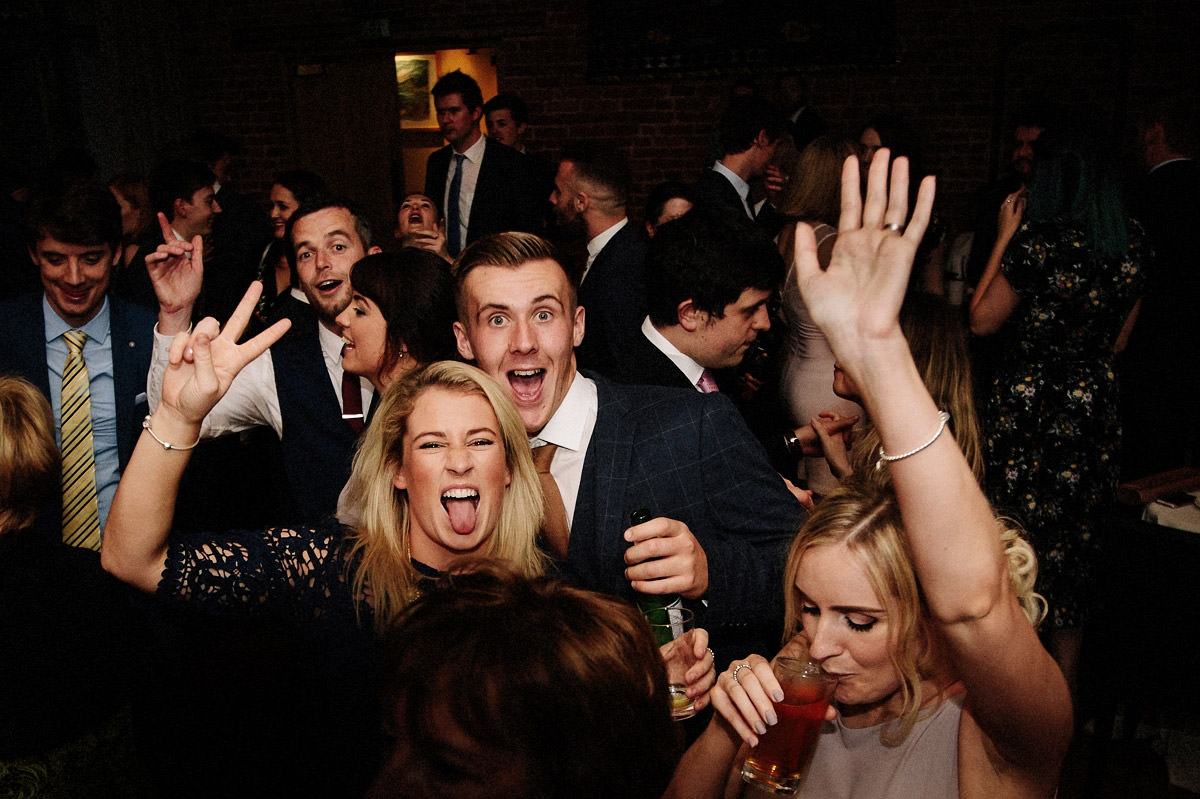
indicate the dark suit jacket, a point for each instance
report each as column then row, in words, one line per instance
column 614, row 297
column 687, row 456
column 507, row 193
column 715, row 190
column 23, row 331
column 647, row 365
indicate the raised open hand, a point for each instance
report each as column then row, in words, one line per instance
column 857, row 299
column 176, row 271
column 202, row 364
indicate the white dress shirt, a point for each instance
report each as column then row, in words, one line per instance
column 571, row 429
column 599, row 243
column 742, row 187
column 691, row 370
column 252, row 400
column 466, row 192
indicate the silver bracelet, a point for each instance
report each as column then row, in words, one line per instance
column 166, row 444
column 943, row 416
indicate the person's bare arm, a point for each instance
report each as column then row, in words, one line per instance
column 201, row 366
column 1016, row 693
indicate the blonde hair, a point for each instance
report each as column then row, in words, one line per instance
column 815, row 192
column 29, row 459
column 381, row 537
column 938, row 343
column 864, row 516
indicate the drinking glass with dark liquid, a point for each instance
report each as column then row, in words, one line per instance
column 778, row 762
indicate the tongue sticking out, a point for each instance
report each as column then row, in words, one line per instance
column 462, row 514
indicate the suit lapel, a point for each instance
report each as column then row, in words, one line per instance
column 129, row 383
column 599, row 507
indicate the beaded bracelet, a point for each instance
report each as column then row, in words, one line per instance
column 943, row 416
column 165, row 444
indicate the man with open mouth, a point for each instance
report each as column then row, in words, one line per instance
column 298, row 387
column 722, row 515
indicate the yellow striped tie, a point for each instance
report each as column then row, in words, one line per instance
column 81, row 510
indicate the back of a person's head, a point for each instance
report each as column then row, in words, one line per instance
column 1179, row 117
column 663, row 193
column 29, row 459
column 746, row 117
column 133, row 188
column 814, row 193
column 304, row 185
column 1076, row 181
column 709, row 256
column 85, row 214
column 563, row 688
column 462, row 84
column 603, row 167
column 937, row 340
column 175, row 179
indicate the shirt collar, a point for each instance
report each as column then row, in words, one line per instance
column 691, row 370
column 598, row 243
column 331, row 344
column 1161, row 164
column 743, row 188
column 474, row 153
column 97, row 328
column 567, row 426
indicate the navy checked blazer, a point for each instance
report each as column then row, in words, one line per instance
column 687, row 456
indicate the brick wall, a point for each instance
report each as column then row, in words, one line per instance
column 959, row 67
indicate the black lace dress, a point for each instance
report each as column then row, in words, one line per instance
column 265, row 683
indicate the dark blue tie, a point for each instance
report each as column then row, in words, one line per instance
column 453, row 235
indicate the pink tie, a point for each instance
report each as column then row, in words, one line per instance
column 706, row 383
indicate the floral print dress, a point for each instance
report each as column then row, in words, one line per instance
column 1051, row 426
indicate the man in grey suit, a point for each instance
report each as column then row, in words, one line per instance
column 723, row 518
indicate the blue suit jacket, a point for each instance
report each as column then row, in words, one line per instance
column 687, row 456
column 23, row 333
column 508, row 195
column 614, row 298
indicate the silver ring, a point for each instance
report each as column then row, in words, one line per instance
column 712, row 654
column 892, row 226
column 739, row 667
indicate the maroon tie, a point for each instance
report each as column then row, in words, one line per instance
column 707, row 383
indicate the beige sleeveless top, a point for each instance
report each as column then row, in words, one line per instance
column 856, row 763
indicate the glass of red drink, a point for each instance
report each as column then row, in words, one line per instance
column 778, row 762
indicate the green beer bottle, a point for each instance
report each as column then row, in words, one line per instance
column 658, row 608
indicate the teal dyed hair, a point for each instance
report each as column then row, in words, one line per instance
column 1075, row 182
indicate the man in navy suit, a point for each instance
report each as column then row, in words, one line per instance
column 74, row 237
column 723, row 517
column 751, row 130
column 591, row 191
column 482, row 186
column 1160, row 376
column 298, row 387
column 709, row 279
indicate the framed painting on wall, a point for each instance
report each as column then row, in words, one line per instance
column 415, row 75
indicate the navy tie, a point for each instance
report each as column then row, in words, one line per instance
column 453, row 234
